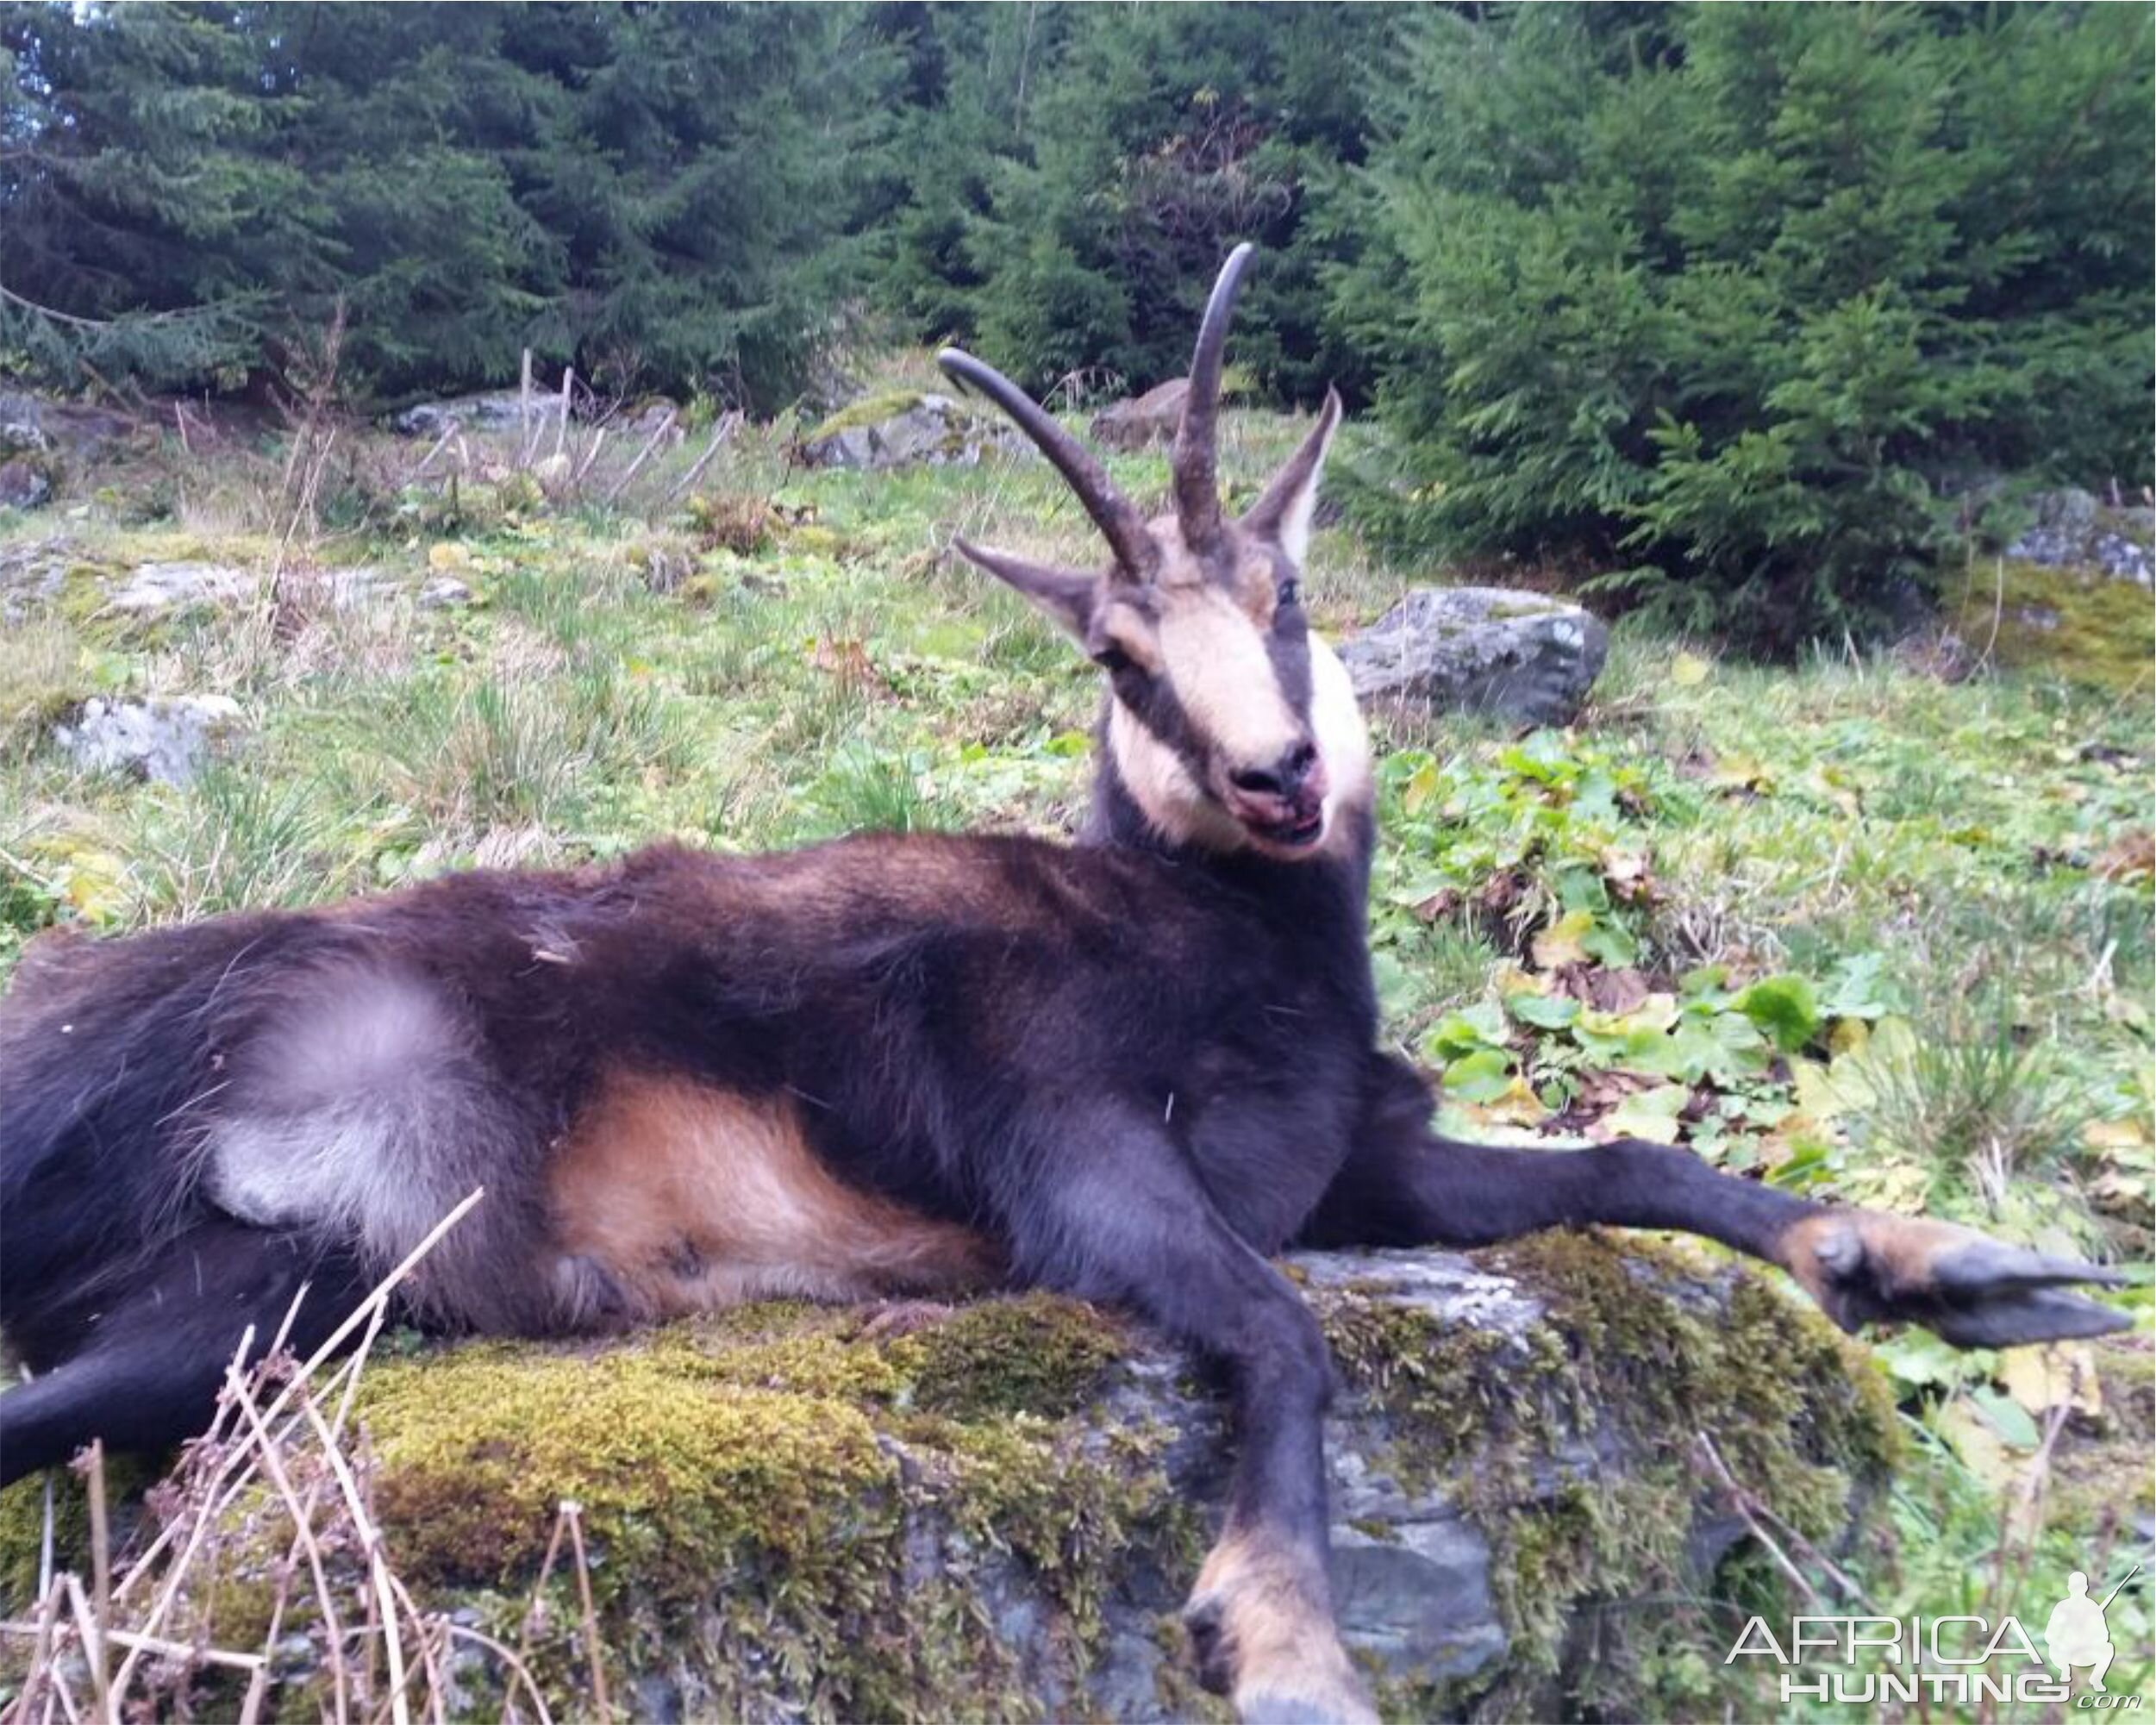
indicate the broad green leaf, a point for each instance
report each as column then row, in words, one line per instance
column 1543, row 1011
column 1722, row 1049
column 1480, row 1026
column 1482, row 1076
column 1650, row 1114
column 2005, row 1416
column 1611, row 944
column 1708, row 984
column 1859, row 988
column 1420, row 788
column 1785, row 1007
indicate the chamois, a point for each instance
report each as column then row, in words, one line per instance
column 1132, row 1068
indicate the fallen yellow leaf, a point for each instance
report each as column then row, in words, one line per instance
column 1518, row 1105
column 2061, row 1374
column 1981, row 1449
column 1690, row 670
column 1558, row 945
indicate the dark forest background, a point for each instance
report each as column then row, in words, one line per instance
column 1739, row 304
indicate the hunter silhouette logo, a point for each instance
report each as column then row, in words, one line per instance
column 2075, row 1636
column 1868, row 1661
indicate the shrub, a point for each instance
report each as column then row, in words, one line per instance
column 1741, row 297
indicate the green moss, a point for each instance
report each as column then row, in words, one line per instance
column 817, row 1510
column 1036, row 1354
column 683, row 1477
column 1801, row 1417
column 870, row 409
column 22, row 1524
column 2077, row 624
column 746, row 1480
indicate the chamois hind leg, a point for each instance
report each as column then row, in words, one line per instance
column 1122, row 1219
column 146, row 1365
column 1402, row 1185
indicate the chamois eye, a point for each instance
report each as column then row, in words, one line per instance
column 1290, row 592
column 1112, row 658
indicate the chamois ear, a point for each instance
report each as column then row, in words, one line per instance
column 1283, row 514
column 1070, row 597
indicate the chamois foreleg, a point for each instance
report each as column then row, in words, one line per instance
column 152, row 1350
column 1403, row 1185
column 1126, row 1222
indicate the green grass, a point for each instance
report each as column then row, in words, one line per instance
column 1928, row 879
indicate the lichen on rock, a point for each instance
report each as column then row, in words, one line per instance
column 994, row 1511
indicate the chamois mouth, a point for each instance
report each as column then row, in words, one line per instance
column 1297, row 832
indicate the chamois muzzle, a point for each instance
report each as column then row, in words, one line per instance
column 1284, row 803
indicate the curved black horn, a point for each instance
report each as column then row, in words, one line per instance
column 1113, row 513
column 1196, row 483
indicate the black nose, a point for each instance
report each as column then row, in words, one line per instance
column 1283, row 779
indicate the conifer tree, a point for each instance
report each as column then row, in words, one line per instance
column 1740, row 295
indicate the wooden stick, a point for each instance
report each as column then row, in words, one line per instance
column 303, row 1527
column 594, row 1649
column 377, row 1565
column 100, row 1555
column 153, row 1644
column 1740, row 1501
column 93, row 1637
column 440, row 444
column 590, row 456
column 643, row 455
column 524, row 438
column 729, row 424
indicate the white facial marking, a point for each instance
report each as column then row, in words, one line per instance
column 1171, row 801
column 1176, row 806
column 1342, row 739
column 1215, row 658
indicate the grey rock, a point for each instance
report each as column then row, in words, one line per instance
column 929, row 430
column 1490, row 650
column 31, row 576
column 32, row 425
column 1148, row 419
column 1564, row 1428
column 491, row 410
column 444, row 593
column 2075, row 530
column 23, row 437
column 152, row 589
column 23, row 485
column 167, row 738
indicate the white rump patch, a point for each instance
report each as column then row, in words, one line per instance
column 344, row 1112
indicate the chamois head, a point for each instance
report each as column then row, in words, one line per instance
column 1231, row 726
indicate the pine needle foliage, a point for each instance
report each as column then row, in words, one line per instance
column 1750, row 297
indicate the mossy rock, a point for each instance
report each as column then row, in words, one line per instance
column 994, row 1511
column 2080, row 624
column 870, row 409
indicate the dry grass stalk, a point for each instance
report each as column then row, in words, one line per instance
column 283, row 1427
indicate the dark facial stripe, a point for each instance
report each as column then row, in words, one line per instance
column 1151, row 700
